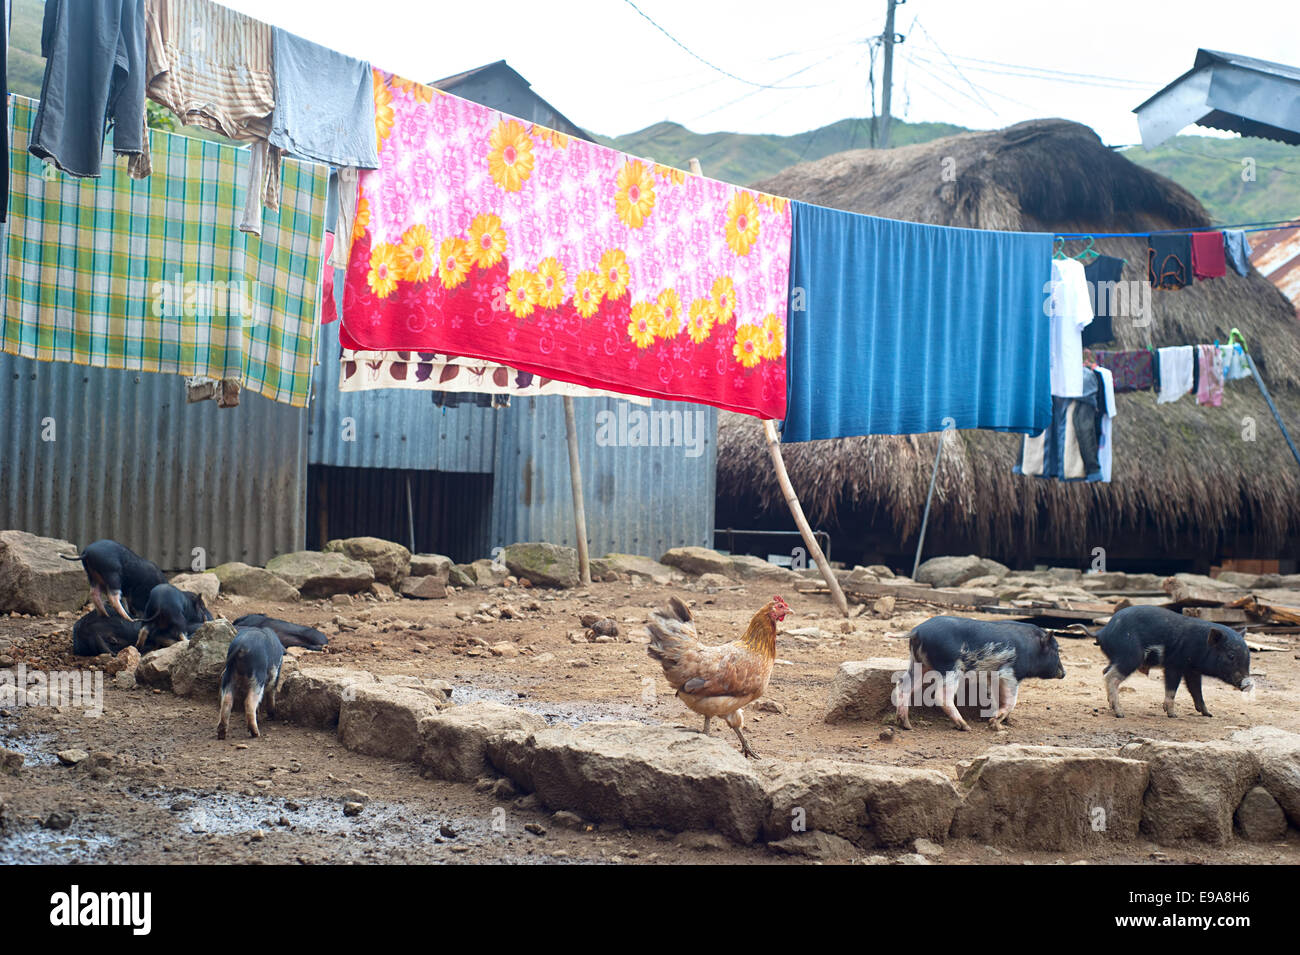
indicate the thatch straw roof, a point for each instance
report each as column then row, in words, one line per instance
column 1183, row 475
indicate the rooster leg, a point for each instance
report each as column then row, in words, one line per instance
column 736, row 721
column 707, row 721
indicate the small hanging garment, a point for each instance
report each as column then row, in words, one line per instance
column 1108, row 408
column 1208, row 257
column 1103, row 276
column 1169, row 260
column 1234, row 362
column 1209, row 386
column 1131, row 370
column 1071, row 311
column 1177, row 372
column 1237, row 249
column 1071, row 447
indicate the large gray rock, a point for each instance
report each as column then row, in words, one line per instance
column 35, row 579
column 423, row 588
column 462, row 575
column 488, row 573
column 316, row 574
column 244, row 580
column 1259, row 817
column 955, row 571
column 1195, row 788
column 867, row 804
column 1279, row 765
column 757, row 570
column 390, row 561
column 155, row 668
column 863, row 689
column 455, row 741
column 699, row 560
column 206, row 585
column 197, row 668
column 314, row 696
column 546, row 565
column 637, row 775
column 383, row 720
column 1047, row 797
column 431, row 565
column 636, row 566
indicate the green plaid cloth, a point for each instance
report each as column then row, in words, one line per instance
column 154, row 274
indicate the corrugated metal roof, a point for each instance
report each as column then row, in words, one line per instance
column 1225, row 91
column 131, row 460
column 1276, row 255
column 393, row 428
column 500, row 86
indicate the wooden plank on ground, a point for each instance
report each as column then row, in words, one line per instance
column 1217, row 614
column 1047, row 613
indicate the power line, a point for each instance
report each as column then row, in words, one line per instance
column 1061, row 73
column 920, row 56
column 712, row 66
column 954, row 66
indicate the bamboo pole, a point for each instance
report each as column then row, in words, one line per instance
column 579, row 505
column 796, row 511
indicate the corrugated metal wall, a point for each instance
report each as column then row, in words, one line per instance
column 394, row 428
column 640, row 500
column 132, row 461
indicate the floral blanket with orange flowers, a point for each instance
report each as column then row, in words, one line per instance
column 489, row 237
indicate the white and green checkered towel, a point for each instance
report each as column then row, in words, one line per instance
column 154, row 274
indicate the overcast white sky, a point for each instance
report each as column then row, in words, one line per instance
column 979, row 63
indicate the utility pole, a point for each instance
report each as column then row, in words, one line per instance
column 889, row 38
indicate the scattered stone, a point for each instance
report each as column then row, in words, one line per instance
column 155, row 668
column 955, row 571
column 632, row 774
column 817, row 845
column 454, row 742
column 769, row 706
column 1194, row 788
column 431, row 565
column 382, row 591
column 197, row 668
column 10, row 762
column 1259, row 818
column 639, row 567
column 747, row 567
column 352, row 808
column 504, row 649
column 390, row 561
column 544, row 564
column 58, row 820
column 863, row 689
column 126, row 661
column 206, row 584
column 698, row 560
column 462, row 575
column 317, row 574
column 569, row 820
column 34, row 577
column 535, row 828
column 245, row 581
column 424, row 588
column 1279, row 765
column 927, row 848
column 883, row 606
column 912, row 858
column 71, row 757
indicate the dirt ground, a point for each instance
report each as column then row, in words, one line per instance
column 174, row 793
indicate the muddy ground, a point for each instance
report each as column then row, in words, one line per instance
column 174, row 793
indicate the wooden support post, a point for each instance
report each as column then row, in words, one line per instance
column 796, row 510
column 575, row 478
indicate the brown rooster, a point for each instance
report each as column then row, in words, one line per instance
column 716, row 681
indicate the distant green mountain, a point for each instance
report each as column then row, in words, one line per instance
column 26, row 65
column 1211, row 169
column 746, row 158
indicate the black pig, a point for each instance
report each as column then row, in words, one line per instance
column 252, row 668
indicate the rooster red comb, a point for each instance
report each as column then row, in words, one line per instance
column 778, row 603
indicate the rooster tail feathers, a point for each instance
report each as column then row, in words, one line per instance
column 672, row 632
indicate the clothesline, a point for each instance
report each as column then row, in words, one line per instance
column 1267, row 226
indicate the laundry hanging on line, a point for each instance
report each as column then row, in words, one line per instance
column 1177, row 372
column 1103, row 275
column 128, row 287
column 428, row 371
column 1132, row 370
column 1077, row 444
column 489, row 237
column 1209, row 380
column 1069, row 309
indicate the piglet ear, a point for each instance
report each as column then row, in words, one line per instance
column 1216, row 637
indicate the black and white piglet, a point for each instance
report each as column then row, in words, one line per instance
column 252, row 669
column 1138, row 638
column 999, row 653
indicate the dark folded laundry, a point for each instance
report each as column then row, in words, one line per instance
column 1103, row 275
column 1132, row 370
column 472, row 399
column 1237, row 249
column 1208, row 259
column 1169, row 260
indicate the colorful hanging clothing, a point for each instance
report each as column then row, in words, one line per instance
column 1208, row 258
column 1169, row 260
column 428, row 371
column 900, row 326
column 324, row 104
column 1177, row 372
column 1132, row 370
column 1237, row 249
column 489, row 237
column 1108, row 407
column 1103, row 277
column 1071, row 447
column 1070, row 311
column 1209, row 383
column 94, row 72
column 1234, row 362
column 153, row 275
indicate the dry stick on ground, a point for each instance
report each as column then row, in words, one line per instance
column 575, row 479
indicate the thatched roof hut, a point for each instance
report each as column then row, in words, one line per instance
column 1188, row 489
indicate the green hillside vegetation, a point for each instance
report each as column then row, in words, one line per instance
column 1212, row 170
column 745, row 158
column 26, row 65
